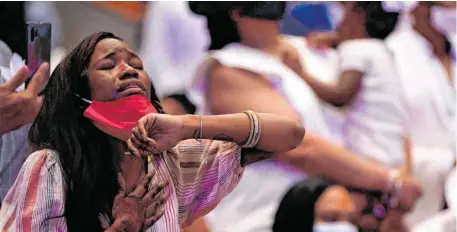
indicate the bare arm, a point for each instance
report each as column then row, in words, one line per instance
column 279, row 133
column 230, row 91
column 339, row 94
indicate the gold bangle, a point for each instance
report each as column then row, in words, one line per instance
column 253, row 133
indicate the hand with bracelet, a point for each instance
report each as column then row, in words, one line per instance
column 404, row 191
column 156, row 133
column 383, row 211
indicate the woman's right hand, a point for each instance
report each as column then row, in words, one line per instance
column 140, row 209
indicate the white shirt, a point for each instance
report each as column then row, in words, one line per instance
column 174, row 43
column 252, row 205
column 429, row 94
column 375, row 122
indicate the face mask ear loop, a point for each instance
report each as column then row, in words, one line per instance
column 85, row 100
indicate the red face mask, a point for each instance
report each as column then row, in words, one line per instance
column 118, row 118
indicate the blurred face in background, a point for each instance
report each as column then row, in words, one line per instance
column 259, row 20
column 352, row 21
column 334, row 210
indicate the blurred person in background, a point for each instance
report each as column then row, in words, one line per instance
column 173, row 44
column 19, row 106
column 318, row 205
column 314, row 205
column 367, row 85
column 424, row 52
column 250, row 68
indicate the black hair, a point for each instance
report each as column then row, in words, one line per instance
column 12, row 21
column 378, row 22
column 88, row 156
column 296, row 211
column 222, row 29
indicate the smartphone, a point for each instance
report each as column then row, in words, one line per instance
column 314, row 16
column 38, row 46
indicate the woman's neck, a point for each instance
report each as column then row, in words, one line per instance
column 264, row 44
column 132, row 168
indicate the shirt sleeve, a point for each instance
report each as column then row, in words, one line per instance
column 37, row 199
column 352, row 57
column 208, row 171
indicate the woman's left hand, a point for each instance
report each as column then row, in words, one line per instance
column 155, row 133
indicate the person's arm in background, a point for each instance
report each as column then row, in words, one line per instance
column 314, row 155
column 349, row 82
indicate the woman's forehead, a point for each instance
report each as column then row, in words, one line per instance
column 107, row 46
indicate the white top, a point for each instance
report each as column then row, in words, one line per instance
column 428, row 92
column 254, row 202
column 375, row 123
column 444, row 221
column 174, row 43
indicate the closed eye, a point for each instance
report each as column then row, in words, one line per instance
column 108, row 65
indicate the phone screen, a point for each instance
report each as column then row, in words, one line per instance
column 38, row 46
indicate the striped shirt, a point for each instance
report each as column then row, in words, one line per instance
column 200, row 175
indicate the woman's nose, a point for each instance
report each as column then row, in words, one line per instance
column 128, row 72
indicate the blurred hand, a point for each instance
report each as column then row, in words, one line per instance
column 140, row 209
column 20, row 108
column 156, row 133
column 411, row 191
column 394, row 222
column 292, row 60
column 322, row 40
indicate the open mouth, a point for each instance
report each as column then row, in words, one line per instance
column 131, row 89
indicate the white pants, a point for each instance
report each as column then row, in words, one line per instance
column 431, row 166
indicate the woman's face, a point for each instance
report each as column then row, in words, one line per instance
column 116, row 72
column 254, row 27
column 352, row 22
column 334, row 205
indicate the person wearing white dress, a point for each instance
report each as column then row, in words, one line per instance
column 174, row 42
column 425, row 59
column 249, row 68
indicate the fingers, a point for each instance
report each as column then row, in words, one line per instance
column 133, row 148
column 142, row 187
column 18, row 79
column 39, row 79
column 154, row 192
column 141, row 146
column 158, row 205
column 150, row 221
column 141, row 133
